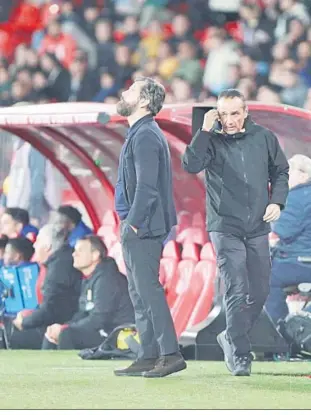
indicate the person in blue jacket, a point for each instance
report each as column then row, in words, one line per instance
column 293, row 230
column 70, row 218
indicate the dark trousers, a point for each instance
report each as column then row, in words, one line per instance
column 30, row 339
column 284, row 274
column 244, row 266
column 74, row 339
column 152, row 315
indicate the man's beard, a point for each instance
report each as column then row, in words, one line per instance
column 125, row 109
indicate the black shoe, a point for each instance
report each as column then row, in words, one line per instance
column 137, row 368
column 167, row 365
column 242, row 365
column 226, row 348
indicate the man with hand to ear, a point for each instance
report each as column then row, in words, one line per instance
column 240, row 159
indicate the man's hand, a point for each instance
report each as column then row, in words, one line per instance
column 209, row 120
column 273, row 213
column 134, row 229
column 53, row 332
column 18, row 321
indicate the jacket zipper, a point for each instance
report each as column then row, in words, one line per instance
column 246, row 181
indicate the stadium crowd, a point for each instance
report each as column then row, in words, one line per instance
column 92, row 50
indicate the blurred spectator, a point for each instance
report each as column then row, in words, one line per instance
column 220, row 55
column 17, row 251
column 239, row 43
column 61, row 45
column 58, row 78
column 105, row 46
column 61, row 290
column 131, row 32
column 104, row 302
column 168, row 62
column 15, row 223
column 189, row 65
column 84, row 83
column 32, row 183
column 108, row 87
column 69, row 218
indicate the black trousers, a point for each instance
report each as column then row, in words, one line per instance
column 244, row 266
column 74, row 339
column 30, row 339
column 152, row 315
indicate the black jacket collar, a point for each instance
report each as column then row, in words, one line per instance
column 134, row 128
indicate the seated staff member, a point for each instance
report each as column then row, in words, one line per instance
column 104, row 301
column 15, row 222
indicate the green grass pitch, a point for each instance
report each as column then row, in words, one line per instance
column 61, row 380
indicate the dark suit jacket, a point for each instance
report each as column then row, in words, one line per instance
column 147, row 179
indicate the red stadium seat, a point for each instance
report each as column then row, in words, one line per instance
column 168, row 269
column 185, row 303
column 191, row 251
column 204, row 275
column 207, row 252
column 172, row 250
column 184, row 220
column 116, row 252
column 198, row 221
column 197, row 235
column 180, row 280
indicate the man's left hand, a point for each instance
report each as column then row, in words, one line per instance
column 273, row 213
column 18, row 321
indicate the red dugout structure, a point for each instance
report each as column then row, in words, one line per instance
column 84, row 144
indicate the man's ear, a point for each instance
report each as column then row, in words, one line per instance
column 144, row 103
column 246, row 112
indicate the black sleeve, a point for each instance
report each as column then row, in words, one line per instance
column 56, row 282
column 105, row 299
column 146, row 160
column 278, row 171
column 198, row 153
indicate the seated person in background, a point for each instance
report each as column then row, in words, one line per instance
column 61, row 290
column 70, row 218
column 293, row 230
column 15, row 222
column 18, row 251
column 3, row 241
column 104, row 301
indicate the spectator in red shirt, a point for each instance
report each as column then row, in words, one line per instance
column 63, row 46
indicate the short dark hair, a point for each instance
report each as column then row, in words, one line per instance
column 18, row 214
column 3, row 241
column 97, row 244
column 232, row 93
column 71, row 213
column 152, row 91
column 23, row 246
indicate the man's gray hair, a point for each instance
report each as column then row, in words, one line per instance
column 302, row 163
column 154, row 92
column 55, row 236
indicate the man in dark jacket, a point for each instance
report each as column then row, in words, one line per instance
column 61, row 290
column 144, row 202
column 240, row 159
column 104, row 301
column 293, row 230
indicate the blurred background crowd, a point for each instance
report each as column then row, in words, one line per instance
column 90, row 50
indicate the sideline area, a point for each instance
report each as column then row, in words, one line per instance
column 61, row 380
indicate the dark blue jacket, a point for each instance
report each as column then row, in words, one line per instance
column 147, row 183
column 294, row 226
column 78, row 232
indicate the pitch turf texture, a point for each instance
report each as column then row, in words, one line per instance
column 61, row 380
